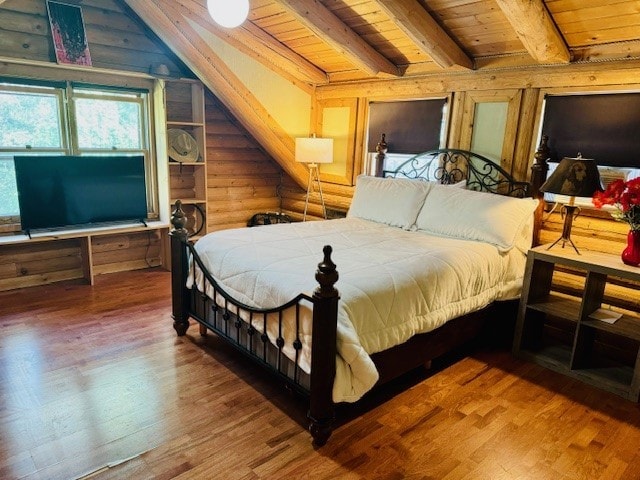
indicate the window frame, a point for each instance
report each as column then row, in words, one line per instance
column 62, row 112
column 371, row 161
column 67, row 92
column 627, row 171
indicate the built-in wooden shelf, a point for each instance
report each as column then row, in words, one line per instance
column 184, row 105
column 540, row 306
column 88, row 251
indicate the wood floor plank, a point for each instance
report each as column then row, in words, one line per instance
column 94, row 383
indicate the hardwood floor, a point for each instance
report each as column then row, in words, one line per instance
column 95, row 383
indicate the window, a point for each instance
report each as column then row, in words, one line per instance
column 67, row 119
column 108, row 120
column 410, row 127
column 604, row 126
column 30, row 117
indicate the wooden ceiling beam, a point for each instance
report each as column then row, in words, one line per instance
column 411, row 17
column 339, row 36
column 169, row 24
column 259, row 45
column 536, row 29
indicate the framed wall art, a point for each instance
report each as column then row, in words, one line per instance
column 67, row 29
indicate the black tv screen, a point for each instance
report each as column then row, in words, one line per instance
column 72, row 191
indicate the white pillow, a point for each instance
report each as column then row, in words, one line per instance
column 471, row 215
column 393, row 201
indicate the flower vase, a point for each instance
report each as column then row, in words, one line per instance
column 631, row 254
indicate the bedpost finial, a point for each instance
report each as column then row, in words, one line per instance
column 179, row 221
column 326, row 275
column 543, row 152
column 381, row 149
column 540, row 167
column 382, row 146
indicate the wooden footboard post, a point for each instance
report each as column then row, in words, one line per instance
column 179, row 270
column 323, row 350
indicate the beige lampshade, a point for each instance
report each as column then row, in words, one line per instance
column 314, row 150
column 574, row 177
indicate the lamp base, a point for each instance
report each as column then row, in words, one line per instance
column 564, row 241
column 569, row 212
column 314, row 176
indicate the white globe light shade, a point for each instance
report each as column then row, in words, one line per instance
column 228, row 13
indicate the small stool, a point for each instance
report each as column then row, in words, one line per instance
column 268, row 218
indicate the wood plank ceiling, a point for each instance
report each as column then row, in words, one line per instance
column 329, row 42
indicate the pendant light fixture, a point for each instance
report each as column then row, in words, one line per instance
column 228, row 13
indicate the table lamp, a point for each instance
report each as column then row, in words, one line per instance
column 573, row 177
column 313, row 151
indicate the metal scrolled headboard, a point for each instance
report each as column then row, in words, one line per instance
column 449, row 166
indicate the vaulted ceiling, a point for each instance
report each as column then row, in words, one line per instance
column 324, row 41
column 319, row 43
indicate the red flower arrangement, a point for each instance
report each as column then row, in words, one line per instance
column 625, row 196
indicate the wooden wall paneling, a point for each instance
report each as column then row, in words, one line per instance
column 455, row 125
column 231, row 168
column 598, row 233
column 79, row 256
column 40, row 262
column 243, row 208
column 237, row 193
column 293, row 196
column 242, row 179
column 115, row 253
column 359, row 152
column 577, row 75
column 525, row 137
column 183, row 182
column 126, row 45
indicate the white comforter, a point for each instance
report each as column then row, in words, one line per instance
column 393, row 283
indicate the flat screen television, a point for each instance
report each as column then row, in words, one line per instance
column 57, row 192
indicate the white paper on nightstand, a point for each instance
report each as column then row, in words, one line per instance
column 605, row 315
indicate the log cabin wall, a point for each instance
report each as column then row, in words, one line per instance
column 117, row 39
column 593, row 229
column 352, row 52
column 241, row 177
column 120, row 42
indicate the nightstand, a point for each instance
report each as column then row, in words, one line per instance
column 572, row 350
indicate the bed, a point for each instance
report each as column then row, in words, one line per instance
column 411, row 273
